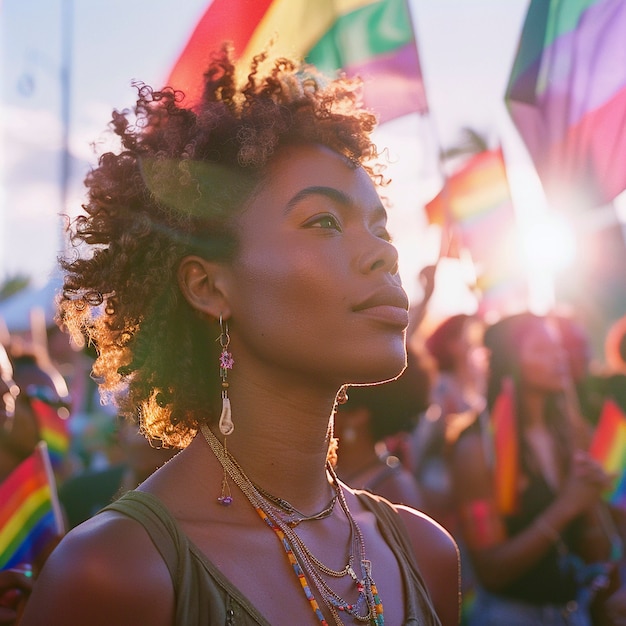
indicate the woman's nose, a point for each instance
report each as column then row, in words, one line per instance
column 381, row 255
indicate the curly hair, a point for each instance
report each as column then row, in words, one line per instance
column 173, row 189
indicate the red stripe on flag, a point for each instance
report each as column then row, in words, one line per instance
column 597, row 141
column 224, row 20
column 609, row 438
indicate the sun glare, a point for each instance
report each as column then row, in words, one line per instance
column 549, row 244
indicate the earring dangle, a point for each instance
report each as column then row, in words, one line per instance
column 226, row 425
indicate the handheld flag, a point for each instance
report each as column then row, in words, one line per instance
column 373, row 39
column 476, row 208
column 567, row 97
column 506, row 450
column 53, row 429
column 30, row 515
column 608, row 446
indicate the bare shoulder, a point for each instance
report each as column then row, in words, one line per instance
column 108, row 557
column 430, row 540
column 437, row 555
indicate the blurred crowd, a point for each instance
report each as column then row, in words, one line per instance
column 488, row 431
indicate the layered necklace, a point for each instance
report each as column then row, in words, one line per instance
column 282, row 518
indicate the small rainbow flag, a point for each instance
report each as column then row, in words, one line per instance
column 476, row 207
column 373, row 39
column 30, row 514
column 608, row 446
column 506, row 450
column 53, row 429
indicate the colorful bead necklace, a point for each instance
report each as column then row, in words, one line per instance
column 368, row 607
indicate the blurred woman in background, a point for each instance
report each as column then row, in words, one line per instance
column 529, row 496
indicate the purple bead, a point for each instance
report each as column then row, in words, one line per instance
column 225, row 500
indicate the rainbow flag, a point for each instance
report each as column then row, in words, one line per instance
column 567, row 97
column 476, row 207
column 30, row 515
column 373, row 39
column 506, row 450
column 53, row 429
column 608, row 446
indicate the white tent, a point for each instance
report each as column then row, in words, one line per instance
column 17, row 309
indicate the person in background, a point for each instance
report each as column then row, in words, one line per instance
column 19, row 434
column 529, row 496
column 36, row 392
column 240, row 273
column 456, row 398
column 18, row 430
column 585, row 396
column 14, row 585
column 611, row 383
column 371, row 415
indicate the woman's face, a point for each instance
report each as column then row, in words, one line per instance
column 314, row 290
column 543, row 362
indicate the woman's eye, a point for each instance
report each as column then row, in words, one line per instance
column 328, row 222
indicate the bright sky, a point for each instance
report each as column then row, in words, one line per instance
column 466, row 48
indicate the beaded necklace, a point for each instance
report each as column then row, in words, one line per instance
column 368, row 607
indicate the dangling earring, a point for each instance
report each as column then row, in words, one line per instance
column 226, row 363
column 342, row 395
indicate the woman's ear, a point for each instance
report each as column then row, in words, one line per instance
column 202, row 283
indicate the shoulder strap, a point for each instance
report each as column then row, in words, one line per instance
column 158, row 522
column 386, row 512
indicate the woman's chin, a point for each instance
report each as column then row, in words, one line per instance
column 385, row 370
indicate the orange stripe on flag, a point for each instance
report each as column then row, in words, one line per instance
column 506, row 469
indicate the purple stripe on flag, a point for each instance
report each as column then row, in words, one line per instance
column 397, row 87
column 618, row 496
column 590, row 63
column 584, row 69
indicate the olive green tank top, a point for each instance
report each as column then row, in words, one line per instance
column 204, row 597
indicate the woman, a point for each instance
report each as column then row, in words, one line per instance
column 456, row 398
column 529, row 505
column 25, row 389
column 245, row 273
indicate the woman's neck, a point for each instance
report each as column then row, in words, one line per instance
column 356, row 458
column 282, row 446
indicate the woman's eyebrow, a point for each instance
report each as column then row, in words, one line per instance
column 336, row 195
column 319, row 190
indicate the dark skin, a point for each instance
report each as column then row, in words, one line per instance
column 314, row 248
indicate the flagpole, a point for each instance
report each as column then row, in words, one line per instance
column 42, row 450
column 446, row 240
column 67, row 36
